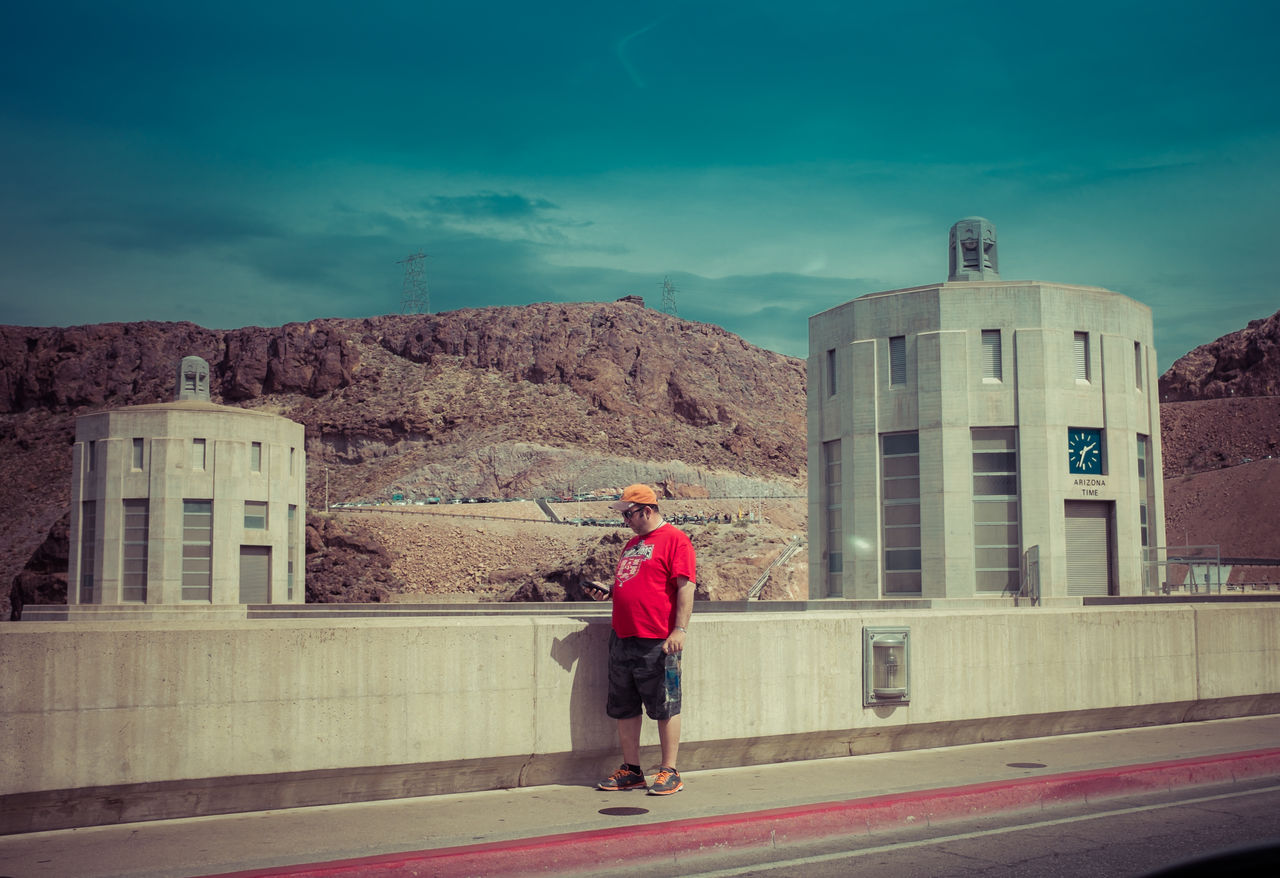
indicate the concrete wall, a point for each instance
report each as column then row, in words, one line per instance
column 168, row 475
column 945, row 395
column 116, row 721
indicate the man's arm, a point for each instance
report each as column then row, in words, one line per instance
column 684, row 610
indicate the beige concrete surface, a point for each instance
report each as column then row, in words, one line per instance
column 945, row 393
column 209, row 845
column 325, row 711
column 166, row 474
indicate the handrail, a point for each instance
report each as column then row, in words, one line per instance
column 792, row 547
column 546, row 507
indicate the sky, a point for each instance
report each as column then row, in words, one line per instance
column 261, row 163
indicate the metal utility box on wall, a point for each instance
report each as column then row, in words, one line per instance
column 886, row 666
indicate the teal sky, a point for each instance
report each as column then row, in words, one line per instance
column 237, row 164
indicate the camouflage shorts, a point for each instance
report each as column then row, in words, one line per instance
column 638, row 676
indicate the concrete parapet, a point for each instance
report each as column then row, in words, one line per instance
column 115, row 721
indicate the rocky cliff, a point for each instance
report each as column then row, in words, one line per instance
column 538, row 400
column 74, row 368
column 1243, row 363
column 533, row 400
column 1220, row 432
column 547, row 399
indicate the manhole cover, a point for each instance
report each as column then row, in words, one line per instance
column 1026, row 765
column 624, row 812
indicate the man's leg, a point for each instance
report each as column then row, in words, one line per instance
column 669, row 737
column 629, row 738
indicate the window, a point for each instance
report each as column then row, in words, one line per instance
column 93, row 452
column 293, row 545
column 291, row 455
column 88, row 548
column 1081, row 350
column 255, row 457
column 137, row 516
column 831, row 468
column 1145, row 501
column 1144, row 445
column 137, row 454
column 197, row 454
column 1137, row 364
column 831, row 373
column 992, row 368
column 997, row 545
column 900, row 479
column 898, row 359
column 197, row 550
column 255, row 515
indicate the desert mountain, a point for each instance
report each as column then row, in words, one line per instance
column 534, row 401
column 1243, row 363
column 549, row 400
column 1220, row 431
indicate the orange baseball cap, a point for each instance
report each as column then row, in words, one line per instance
column 635, row 495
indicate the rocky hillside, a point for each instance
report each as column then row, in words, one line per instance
column 548, row 400
column 498, row 402
column 1244, row 363
column 509, row 551
column 1220, row 432
column 522, row 402
column 1209, row 434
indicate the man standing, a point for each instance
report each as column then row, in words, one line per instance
column 652, row 602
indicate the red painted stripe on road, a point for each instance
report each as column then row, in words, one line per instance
column 634, row 845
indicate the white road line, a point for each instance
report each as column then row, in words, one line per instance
column 926, row 842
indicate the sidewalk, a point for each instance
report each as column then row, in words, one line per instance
column 509, row 831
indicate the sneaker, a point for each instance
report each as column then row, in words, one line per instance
column 622, row 779
column 666, row 782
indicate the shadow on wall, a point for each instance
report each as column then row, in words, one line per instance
column 44, row 578
column 584, row 654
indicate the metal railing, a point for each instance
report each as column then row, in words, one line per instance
column 791, row 549
column 1191, row 569
column 1029, row 580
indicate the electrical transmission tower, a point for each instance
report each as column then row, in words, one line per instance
column 414, row 298
column 668, row 297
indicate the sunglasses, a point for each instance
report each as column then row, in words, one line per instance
column 626, row 516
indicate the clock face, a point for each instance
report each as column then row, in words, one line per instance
column 1084, row 451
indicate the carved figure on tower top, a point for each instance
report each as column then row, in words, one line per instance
column 973, row 254
column 193, row 379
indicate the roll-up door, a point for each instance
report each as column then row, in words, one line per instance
column 1088, row 547
column 255, row 574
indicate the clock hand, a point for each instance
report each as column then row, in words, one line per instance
column 1083, row 452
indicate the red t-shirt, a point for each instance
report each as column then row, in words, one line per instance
column 644, row 586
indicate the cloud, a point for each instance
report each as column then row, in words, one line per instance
column 509, row 216
column 264, row 167
column 620, row 49
column 769, row 310
column 489, row 205
column 166, row 227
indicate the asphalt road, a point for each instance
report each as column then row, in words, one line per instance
column 1123, row 837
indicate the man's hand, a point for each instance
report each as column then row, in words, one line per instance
column 597, row 591
column 684, row 608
